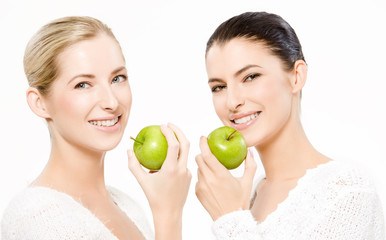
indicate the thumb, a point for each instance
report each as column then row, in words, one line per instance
column 135, row 166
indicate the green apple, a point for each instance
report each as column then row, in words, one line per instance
column 150, row 147
column 228, row 146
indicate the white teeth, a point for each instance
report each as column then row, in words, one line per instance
column 246, row 119
column 107, row 123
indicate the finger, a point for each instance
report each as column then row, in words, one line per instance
column 201, row 185
column 207, row 198
column 134, row 165
column 250, row 167
column 210, row 160
column 173, row 147
column 203, row 169
column 184, row 145
column 189, row 177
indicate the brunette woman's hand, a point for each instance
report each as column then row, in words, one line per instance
column 166, row 189
column 217, row 189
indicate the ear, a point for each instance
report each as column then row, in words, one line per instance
column 36, row 103
column 300, row 76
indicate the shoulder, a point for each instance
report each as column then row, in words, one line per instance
column 37, row 203
column 335, row 182
column 340, row 183
column 343, row 175
column 31, row 200
column 349, row 198
column 29, row 212
column 44, row 213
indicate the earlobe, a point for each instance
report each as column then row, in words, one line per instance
column 300, row 71
column 36, row 103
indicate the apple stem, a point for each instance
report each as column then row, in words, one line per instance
column 229, row 137
column 136, row 140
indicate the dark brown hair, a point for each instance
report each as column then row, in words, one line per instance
column 270, row 29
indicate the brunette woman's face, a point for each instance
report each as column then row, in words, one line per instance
column 251, row 90
column 89, row 102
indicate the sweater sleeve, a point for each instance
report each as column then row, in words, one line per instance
column 238, row 225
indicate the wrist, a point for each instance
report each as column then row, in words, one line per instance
column 164, row 217
column 168, row 225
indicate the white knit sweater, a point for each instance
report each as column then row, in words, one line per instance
column 332, row 201
column 44, row 213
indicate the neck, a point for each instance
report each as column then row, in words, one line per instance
column 288, row 154
column 73, row 170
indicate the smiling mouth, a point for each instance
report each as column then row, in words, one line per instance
column 105, row 123
column 246, row 118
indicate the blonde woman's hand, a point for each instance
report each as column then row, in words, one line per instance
column 217, row 189
column 167, row 189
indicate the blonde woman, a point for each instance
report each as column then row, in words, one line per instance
column 78, row 84
column 256, row 72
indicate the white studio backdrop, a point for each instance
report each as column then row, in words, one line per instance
column 343, row 105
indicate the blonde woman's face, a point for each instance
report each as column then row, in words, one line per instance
column 89, row 103
column 251, row 91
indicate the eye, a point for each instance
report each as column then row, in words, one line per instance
column 119, row 78
column 218, row 88
column 252, row 77
column 82, row 85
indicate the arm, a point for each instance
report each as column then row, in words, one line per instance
column 167, row 189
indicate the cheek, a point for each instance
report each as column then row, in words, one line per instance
column 72, row 105
column 124, row 96
column 278, row 104
column 219, row 103
column 275, row 93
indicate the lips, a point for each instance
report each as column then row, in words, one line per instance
column 105, row 122
column 244, row 120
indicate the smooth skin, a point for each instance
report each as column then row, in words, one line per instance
column 246, row 78
column 92, row 86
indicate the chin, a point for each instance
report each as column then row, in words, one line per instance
column 254, row 140
column 106, row 145
column 104, row 148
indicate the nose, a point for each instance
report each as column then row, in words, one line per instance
column 235, row 98
column 108, row 99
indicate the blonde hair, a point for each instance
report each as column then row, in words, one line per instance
column 40, row 57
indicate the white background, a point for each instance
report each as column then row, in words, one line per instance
column 343, row 106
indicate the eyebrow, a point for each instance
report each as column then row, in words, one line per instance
column 245, row 69
column 81, row 76
column 93, row 76
column 214, row 80
column 118, row 70
column 236, row 73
